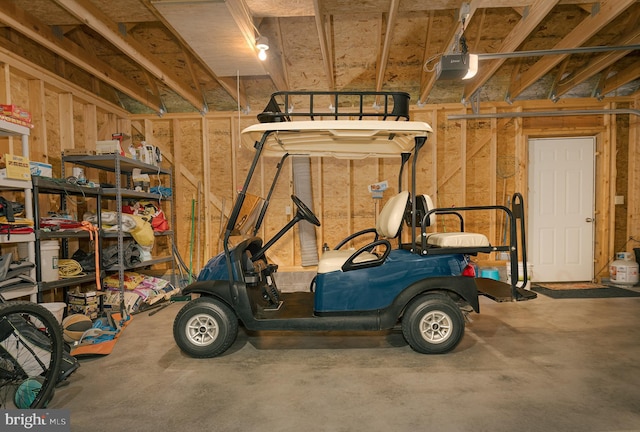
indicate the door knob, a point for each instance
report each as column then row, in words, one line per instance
column 588, row 220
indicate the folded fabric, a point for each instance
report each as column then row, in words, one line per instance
column 139, row 229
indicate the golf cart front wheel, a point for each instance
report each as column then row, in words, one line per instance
column 205, row 327
column 433, row 324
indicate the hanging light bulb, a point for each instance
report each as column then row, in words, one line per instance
column 262, row 43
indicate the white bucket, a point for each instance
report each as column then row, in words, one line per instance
column 521, row 273
column 56, row 308
column 49, row 260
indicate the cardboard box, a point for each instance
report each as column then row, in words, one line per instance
column 82, row 298
column 15, row 112
column 17, row 167
column 41, row 169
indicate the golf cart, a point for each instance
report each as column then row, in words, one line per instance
column 426, row 283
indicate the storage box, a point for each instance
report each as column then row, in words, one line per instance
column 41, row 169
column 109, row 147
column 17, row 167
column 15, row 112
column 82, row 298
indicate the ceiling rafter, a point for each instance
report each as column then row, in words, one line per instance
column 431, row 77
column 40, row 32
column 87, row 13
column 327, row 55
column 588, row 27
column 621, row 78
column 450, row 43
column 386, row 47
column 602, row 61
column 527, row 24
column 230, row 88
column 559, row 74
column 273, row 65
column 425, row 54
column 282, row 58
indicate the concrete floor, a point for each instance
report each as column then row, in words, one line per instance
column 544, row 365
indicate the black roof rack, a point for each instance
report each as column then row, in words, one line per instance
column 386, row 105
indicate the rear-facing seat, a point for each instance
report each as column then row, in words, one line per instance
column 424, row 204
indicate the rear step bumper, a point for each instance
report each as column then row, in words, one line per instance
column 501, row 291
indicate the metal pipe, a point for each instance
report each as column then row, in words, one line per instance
column 558, row 113
column 578, row 50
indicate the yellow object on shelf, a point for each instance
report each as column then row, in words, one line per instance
column 17, row 167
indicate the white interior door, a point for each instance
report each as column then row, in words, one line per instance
column 561, row 208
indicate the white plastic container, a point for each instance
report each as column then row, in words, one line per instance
column 56, row 308
column 521, row 273
column 49, row 250
column 624, row 270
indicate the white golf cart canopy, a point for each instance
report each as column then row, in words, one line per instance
column 342, row 139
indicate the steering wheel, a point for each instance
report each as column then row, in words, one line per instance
column 304, row 211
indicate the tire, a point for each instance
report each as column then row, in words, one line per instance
column 205, row 327
column 433, row 324
column 31, row 349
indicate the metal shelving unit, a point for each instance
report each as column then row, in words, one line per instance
column 124, row 167
column 65, row 190
column 8, row 129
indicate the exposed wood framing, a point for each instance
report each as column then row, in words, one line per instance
column 621, row 78
column 610, row 122
column 282, row 57
column 388, row 34
column 325, row 48
column 601, row 62
column 38, row 141
column 65, row 110
column 529, row 22
column 206, row 184
column 633, row 188
column 86, row 12
column 43, row 34
column 90, row 125
column 579, row 35
column 450, row 41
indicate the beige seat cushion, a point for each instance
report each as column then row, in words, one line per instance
column 457, row 239
column 333, row 260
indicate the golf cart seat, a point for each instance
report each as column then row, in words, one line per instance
column 387, row 227
column 424, row 204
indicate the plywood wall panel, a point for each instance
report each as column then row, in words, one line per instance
column 336, row 223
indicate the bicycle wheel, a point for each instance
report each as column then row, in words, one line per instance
column 31, row 347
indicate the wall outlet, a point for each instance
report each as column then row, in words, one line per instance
column 619, row 200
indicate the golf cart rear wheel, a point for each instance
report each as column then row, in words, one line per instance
column 433, row 324
column 205, row 327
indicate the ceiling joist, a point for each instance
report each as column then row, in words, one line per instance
column 384, row 55
column 536, row 13
column 87, row 13
column 38, row 31
column 577, row 37
column 327, row 54
column 602, row 61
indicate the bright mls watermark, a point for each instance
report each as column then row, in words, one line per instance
column 40, row 420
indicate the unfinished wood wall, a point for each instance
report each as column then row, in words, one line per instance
column 466, row 162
